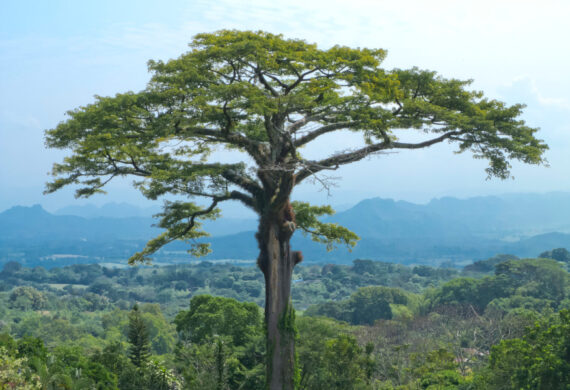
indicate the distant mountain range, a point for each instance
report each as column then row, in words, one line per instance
column 143, row 216
column 108, row 210
column 443, row 230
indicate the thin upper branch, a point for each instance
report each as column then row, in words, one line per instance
column 220, row 136
column 266, row 83
column 336, row 161
column 443, row 137
column 234, row 195
column 251, row 146
column 276, row 79
column 211, row 208
column 300, row 78
column 323, row 130
column 302, row 122
column 117, row 170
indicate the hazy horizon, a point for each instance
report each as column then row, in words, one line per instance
column 237, row 210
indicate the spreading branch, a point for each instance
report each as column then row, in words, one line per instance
column 181, row 223
column 334, row 162
column 230, row 138
column 324, row 130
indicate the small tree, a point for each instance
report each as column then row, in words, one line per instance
column 139, row 349
column 268, row 97
column 210, row 317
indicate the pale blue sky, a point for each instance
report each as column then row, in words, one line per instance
column 57, row 54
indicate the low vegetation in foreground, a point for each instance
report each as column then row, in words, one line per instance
column 501, row 323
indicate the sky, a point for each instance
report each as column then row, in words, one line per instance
column 56, row 55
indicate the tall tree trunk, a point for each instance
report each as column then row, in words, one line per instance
column 277, row 262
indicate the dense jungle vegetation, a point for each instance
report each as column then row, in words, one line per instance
column 501, row 323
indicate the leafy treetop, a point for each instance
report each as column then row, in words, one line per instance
column 268, row 97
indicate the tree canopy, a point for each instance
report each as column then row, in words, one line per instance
column 268, row 97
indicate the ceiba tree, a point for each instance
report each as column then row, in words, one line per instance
column 268, row 97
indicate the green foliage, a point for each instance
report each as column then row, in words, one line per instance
column 159, row 377
column 534, row 280
column 538, row 360
column 436, row 370
column 371, row 303
column 174, row 219
column 540, row 278
column 15, row 373
column 222, row 336
column 433, row 340
column 306, row 218
column 218, row 364
column 8, row 343
column 139, row 350
column 329, row 358
column 559, row 254
column 32, row 348
column 460, row 291
column 27, row 298
column 216, row 316
column 365, row 306
column 488, row 265
column 71, row 289
column 113, row 356
column 342, row 355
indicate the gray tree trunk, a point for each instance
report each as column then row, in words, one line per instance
column 277, row 262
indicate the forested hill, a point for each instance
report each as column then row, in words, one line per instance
column 501, row 323
column 445, row 229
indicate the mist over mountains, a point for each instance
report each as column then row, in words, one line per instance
column 108, row 210
column 444, row 230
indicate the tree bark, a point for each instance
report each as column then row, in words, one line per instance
column 277, row 262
